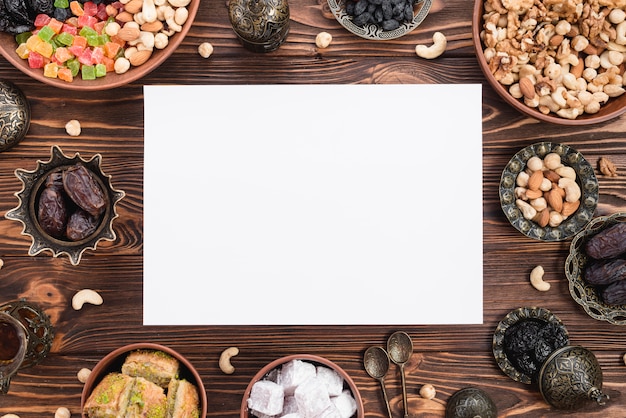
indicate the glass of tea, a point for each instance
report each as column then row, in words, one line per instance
column 13, row 347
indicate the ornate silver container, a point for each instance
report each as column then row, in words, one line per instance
column 14, row 115
column 261, row 25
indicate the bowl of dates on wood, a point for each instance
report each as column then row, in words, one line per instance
column 523, row 341
column 596, row 268
column 380, row 19
column 67, row 205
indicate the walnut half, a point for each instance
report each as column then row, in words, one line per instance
column 607, row 167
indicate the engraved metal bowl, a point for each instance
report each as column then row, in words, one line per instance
column 585, row 178
column 26, row 212
column 513, row 317
column 583, row 293
column 570, row 378
column 14, row 115
column 375, row 32
column 471, row 402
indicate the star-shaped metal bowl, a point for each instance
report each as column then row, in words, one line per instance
column 26, row 211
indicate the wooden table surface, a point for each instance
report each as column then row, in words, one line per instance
column 449, row 357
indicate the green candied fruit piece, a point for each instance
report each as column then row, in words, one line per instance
column 74, row 66
column 94, row 40
column 21, row 38
column 46, row 33
column 61, row 4
column 86, row 31
column 65, row 39
column 101, row 70
column 88, row 72
column 104, row 38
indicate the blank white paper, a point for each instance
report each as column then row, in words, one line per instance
column 313, row 205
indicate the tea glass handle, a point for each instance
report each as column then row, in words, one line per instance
column 13, row 347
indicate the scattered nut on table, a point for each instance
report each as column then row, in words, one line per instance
column 225, row 364
column 1, row 263
column 428, row 391
column 607, row 167
column 323, row 39
column 436, row 49
column 205, row 49
column 62, row 412
column 86, row 296
column 73, row 127
column 536, row 279
column 624, row 358
column 10, row 416
column 83, row 374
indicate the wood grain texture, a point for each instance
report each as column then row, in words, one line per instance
column 449, row 357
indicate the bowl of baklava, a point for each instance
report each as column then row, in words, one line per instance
column 144, row 379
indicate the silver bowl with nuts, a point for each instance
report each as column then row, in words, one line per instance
column 548, row 191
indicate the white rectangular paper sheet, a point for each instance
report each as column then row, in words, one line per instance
column 313, row 205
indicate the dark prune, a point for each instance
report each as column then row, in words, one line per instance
column 390, row 24
column 608, row 243
column 526, row 364
column 55, row 180
column 84, row 190
column 52, row 212
column 615, row 293
column 362, row 19
column 521, row 337
column 80, row 225
column 601, row 272
column 360, row 7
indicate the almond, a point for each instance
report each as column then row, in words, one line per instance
column 552, row 176
column 556, row 40
column 543, row 218
column 153, row 27
column 128, row 33
column 570, row 207
column 554, row 199
column 527, row 87
column 533, row 194
column 535, row 179
column 139, row 57
column 124, row 17
column 577, row 70
column 133, row 6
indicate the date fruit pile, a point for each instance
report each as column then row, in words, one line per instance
column 606, row 269
column 529, row 342
column 71, row 204
column 388, row 14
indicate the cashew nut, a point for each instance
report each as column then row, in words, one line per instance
column 436, row 49
column 536, row 279
column 572, row 189
column 10, row 416
column 83, row 374
column 428, row 391
column 86, row 296
column 73, row 127
column 1, row 263
column 62, row 412
column 225, row 365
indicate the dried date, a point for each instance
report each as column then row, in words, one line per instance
column 80, row 225
column 608, row 243
column 84, row 190
column 52, row 212
column 615, row 293
column 602, row 272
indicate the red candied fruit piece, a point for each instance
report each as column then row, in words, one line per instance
column 86, row 20
column 85, row 57
column 96, row 55
column 72, row 30
column 90, row 8
column 36, row 60
column 102, row 12
column 41, row 20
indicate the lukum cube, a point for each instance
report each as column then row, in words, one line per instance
column 266, row 398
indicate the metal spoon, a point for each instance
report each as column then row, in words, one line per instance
column 400, row 348
column 376, row 363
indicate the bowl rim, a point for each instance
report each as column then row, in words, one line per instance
column 244, row 413
column 583, row 120
column 583, row 293
column 111, row 80
column 101, row 368
column 589, row 194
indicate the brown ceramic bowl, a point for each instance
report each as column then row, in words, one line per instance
column 113, row 361
column 278, row 363
column 111, row 80
column 612, row 109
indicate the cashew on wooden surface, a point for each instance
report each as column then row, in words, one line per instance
column 225, row 364
column 536, row 279
column 86, row 296
column 436, row 49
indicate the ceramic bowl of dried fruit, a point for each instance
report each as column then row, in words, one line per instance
column 378, row 28
column 573, row 80
column 598, row 283
column 170, row 376
column 302, row 382
column 96, row 45
column 548, row 191
column 67, row 205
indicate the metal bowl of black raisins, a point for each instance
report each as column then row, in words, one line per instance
column 596, row 268
column 66, row 206
column 380, row 19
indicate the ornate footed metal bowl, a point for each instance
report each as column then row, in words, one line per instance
column 14, row 115
column 28, row 211
column 471, row 402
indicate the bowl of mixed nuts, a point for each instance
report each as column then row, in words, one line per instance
column 596, row 268
column 548, row 191
column 66, row 205
column 92, row 45
column 380, row 19
column 558, row 62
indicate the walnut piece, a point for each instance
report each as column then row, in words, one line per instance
column 607, row 167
